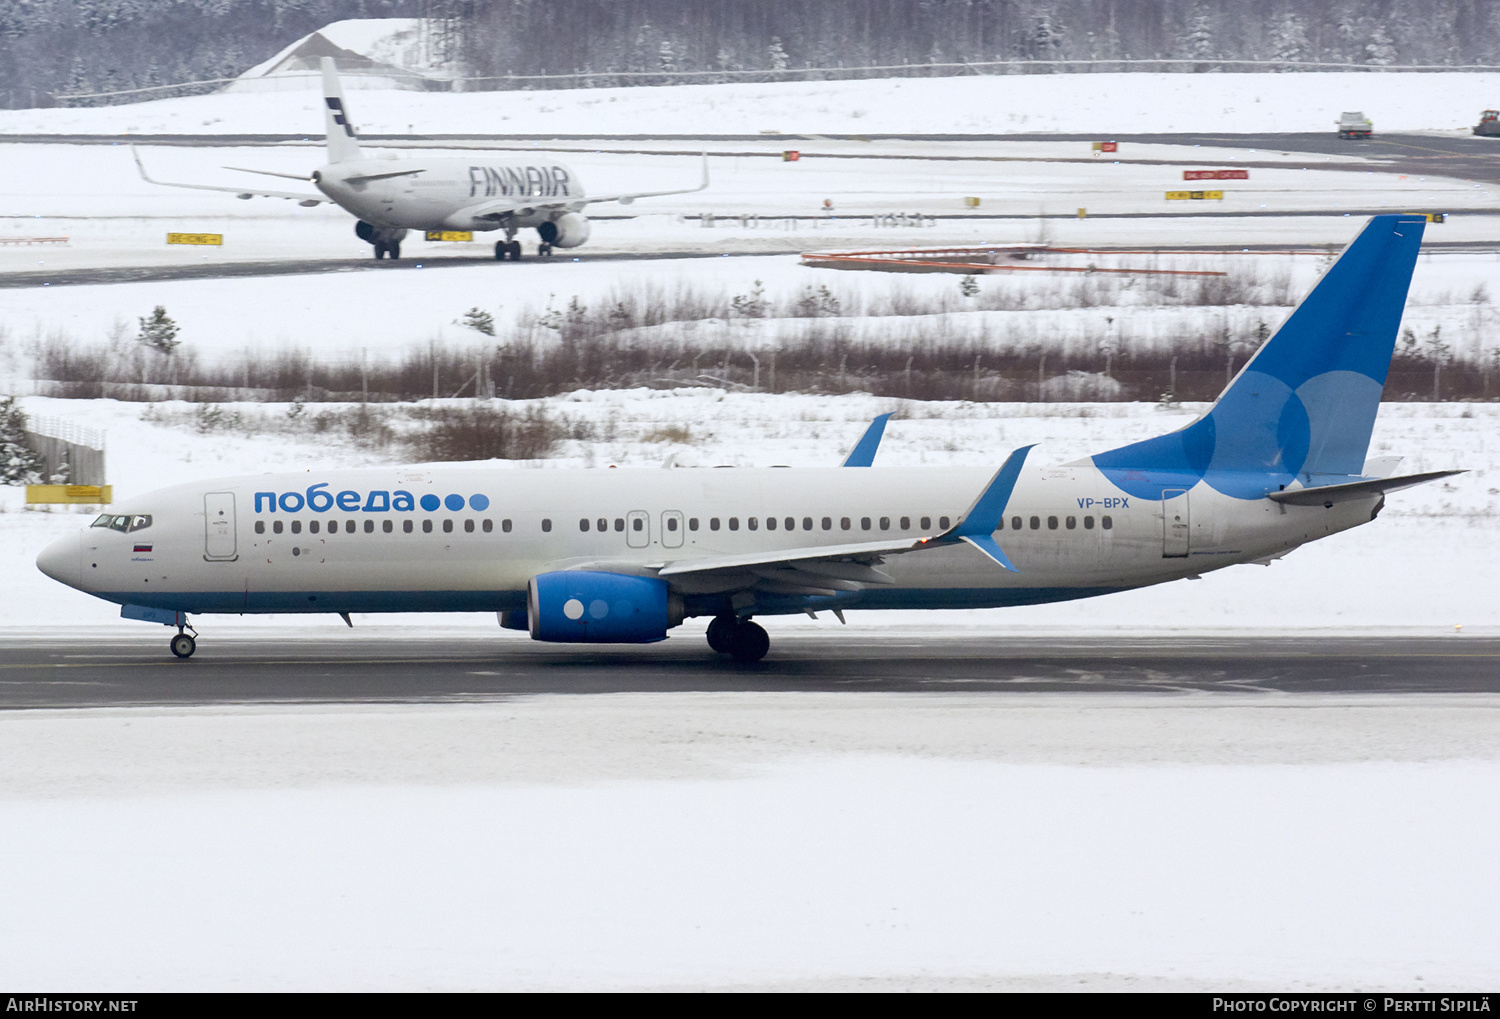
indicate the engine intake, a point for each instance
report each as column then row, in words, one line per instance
column 584, row 607
column 566, row 231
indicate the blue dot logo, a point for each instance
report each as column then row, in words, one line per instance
column 430, row 503
column 479, row 502
column 454, row 502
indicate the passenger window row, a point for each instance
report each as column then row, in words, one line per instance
column 1071, row 523
column 387, row 526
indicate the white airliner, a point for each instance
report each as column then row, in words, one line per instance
column 626, row 555
column 390, row 197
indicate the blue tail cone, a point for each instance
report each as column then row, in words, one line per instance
column 1305, row 404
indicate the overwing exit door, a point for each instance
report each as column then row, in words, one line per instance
column 671, row 529
column 1176, row 526
column 218, row 526
column 638, row 529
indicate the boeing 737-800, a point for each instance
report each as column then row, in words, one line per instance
column 626, row 555
column 390, row 197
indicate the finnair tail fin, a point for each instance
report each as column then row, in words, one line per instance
column 1304, row 406
column 343, row 145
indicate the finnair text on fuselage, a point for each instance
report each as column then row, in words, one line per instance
column 531, row 181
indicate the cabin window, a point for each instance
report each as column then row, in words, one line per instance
column 546, row 523
column 1051, row 523
column 753, row 523
column 1036, row 523
column 296, row 527
column 583, row 525
column 943, row 523
column 844, row 523
column 734, row 523
column 260, row 527
column 619, row 523
column 671, row 523
column 637, row 524
column 885, row 523
column 276, row 526
column 312, row 526
column 790, row 523
column 770, row 523
column 828, row 523
column 487, row 526
column 602, row 524
column 447, row 526
column 1015, row 523
column 1071, row 523
column 926, row 523
column 1107, row 522
column 468, row 527
column 906, row 523
column 1088, row 523
column 807, row 523
column 427, row 527
column 713, row 523
column 387, row 526
column 350, row 526
column 369, row 527
column 864, row 523
column 406, row 526
column 692, row 523
column 505, row 526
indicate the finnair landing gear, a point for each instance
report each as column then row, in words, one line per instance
column 742, row 640
column 508, row 249
column 183, row 645
column 385, row 240
column 544, row 249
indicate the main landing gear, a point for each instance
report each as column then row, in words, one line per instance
column 183, row 645
column 507, row 249
column 388, row 249
column 741, row 639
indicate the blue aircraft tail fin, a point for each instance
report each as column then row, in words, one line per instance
column 1305, row 404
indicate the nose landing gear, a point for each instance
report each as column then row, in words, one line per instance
column 183, row 645
column 741, row 639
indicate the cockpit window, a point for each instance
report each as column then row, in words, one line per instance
column 123, row 523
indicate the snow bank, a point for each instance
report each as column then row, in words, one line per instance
column 1103, row 104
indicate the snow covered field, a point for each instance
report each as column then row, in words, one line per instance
column 800, row 841
column 1005, row 104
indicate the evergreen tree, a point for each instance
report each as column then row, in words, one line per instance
column 19, row 463
column 159, row 332
column 1380, row 50
column 1289, row 38
column 776, row 54
column 1198, row 40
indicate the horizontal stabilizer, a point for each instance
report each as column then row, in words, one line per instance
column 1327, row 495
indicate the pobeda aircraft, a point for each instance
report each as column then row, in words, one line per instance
column 626, row 555
column 390, row 197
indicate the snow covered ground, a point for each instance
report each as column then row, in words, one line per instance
column 799, row 841
column 1106, row 104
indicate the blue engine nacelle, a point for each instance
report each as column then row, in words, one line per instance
column 580, row 606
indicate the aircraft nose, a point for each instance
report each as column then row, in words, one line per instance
column 63, row 560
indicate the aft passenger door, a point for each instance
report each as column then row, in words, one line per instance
column 671, row 529
column 218, row 526
column 1176, row 526
column 638, row 529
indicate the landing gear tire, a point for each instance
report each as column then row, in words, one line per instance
column 750, row 643
column 501, row 249
column 544, row 249
column 514, row 247
column 721, row 634
column 183, row 645
column 393, row 249
column 379, row 249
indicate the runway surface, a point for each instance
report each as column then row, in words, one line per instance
column 59, row 671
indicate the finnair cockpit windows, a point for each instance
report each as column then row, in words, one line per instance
column 123, row 522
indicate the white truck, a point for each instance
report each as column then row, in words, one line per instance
column 1354, row 125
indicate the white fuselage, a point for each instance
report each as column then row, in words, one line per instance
column 363, row 540
column 446, row 194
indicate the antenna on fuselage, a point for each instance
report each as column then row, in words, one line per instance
column 343, row 144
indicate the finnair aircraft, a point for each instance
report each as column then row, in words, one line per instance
column 390, row 197
column 599, row 556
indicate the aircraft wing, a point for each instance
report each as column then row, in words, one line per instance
column 303, row 198
column 852, row 566
column 626, row 199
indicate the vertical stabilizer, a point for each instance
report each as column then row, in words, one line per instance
column 1303, row 409
column 343, row 145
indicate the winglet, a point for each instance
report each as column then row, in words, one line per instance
column 983, row 518
column 863, row 453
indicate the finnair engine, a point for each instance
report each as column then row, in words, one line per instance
column 580, row 606
column 566, row 231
